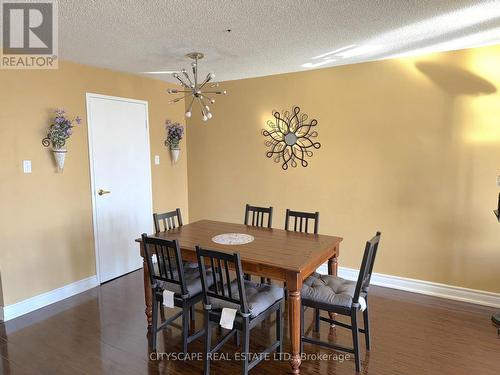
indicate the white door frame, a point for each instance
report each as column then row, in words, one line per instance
column 91, row 164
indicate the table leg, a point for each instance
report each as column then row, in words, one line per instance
column 333, row 267
column 333, row 264
column 148, row 296
column 294, row 286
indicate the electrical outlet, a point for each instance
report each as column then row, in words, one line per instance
column 27, row 166
column 157, row 159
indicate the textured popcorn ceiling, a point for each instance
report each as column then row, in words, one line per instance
column 267, row 37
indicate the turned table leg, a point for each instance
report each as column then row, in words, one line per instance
column 148, row 297
column 294, row 286
column 333, row 265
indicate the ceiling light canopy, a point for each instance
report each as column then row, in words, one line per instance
column 195, row 90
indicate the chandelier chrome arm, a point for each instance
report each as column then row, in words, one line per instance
column 183, row 84
column 175, row 91
column 191, row 84
column 190, row 108
column 208, row 78
column 202, row 100
column 202, row 108
column 216, row 92
column 211, row 100
column 178, row 99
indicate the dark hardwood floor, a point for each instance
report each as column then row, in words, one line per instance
column 103, row 331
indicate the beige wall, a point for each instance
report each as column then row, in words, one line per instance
column 46, row 217
column 410, row 147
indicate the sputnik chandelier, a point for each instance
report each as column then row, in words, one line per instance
column 194, row 90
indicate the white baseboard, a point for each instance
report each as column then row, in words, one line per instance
column 42, row 300
column 456, row 293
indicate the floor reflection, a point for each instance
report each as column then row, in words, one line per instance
column 104, row 331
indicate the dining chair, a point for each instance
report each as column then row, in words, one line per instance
column 258, row 214
column 168, row 219
column 301, row 221
column 169, row 222
column 344, row 297
column 170, row 273
column 253, row 302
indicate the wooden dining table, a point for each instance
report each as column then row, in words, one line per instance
column 274, row 253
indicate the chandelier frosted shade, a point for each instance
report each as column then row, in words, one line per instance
column 199, row 93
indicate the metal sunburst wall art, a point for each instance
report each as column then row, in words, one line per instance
column 291, row 138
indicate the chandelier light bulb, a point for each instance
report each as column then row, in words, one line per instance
column 209, row 115
column 212, row 75
column 212, row 101
column 207, row 108
column 188, row 114
column 205, row 118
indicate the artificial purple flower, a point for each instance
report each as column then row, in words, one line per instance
column 59, row 130
column 78, row 120
column 175, row 132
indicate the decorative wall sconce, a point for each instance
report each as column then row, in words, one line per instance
column 57, row 134
column 290, row 138
column 175, row 133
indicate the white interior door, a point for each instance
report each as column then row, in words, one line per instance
column 121, row 181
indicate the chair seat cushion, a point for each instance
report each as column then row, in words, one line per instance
column 326, row 289
column 259, row 297
column 192, row 278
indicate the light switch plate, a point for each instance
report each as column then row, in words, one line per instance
column 27, row 166
column 157, row 159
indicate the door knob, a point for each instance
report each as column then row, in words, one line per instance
column 102, row 192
